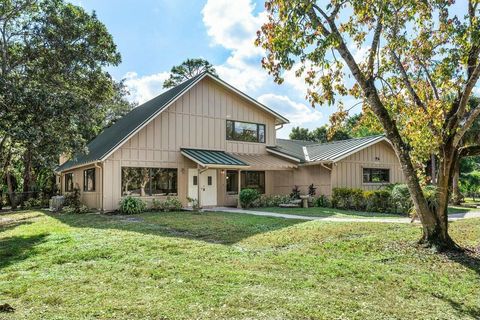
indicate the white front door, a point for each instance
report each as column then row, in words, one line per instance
column 208, row 186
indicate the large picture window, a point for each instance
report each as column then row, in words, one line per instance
column 253, row 180
column 69, row 182
column 245, row 131
column 149, row 181
column 89, row 180
column 371, row 175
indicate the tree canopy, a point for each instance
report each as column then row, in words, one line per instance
column 54, row 91
column 186, row 70
column 413, row 63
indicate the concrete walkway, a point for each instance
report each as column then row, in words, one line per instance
column 452, row 217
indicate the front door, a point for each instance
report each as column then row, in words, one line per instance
column 208, row 186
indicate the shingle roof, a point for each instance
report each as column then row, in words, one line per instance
column 306, row 151
column 212, row 157
column 115, row 135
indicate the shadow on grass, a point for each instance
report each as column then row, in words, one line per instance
column 211, row 227
column 7, row 224
column 468, row 258
column 15, row 249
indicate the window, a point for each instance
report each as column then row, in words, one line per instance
column 195, row 180
column 209, row 180
column 232, row 182
column 149, row 181
column 69, row 182
column 89, row 180
column 253, row 180
column 245, row 131
column 371, row 175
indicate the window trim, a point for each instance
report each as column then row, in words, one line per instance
column 70, row 174
column 248, row 122
column 243, row 173
column 85, row 173
column 374, row 182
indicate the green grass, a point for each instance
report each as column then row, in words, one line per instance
column 329, row 212
column 229, row 266
column 338, row 213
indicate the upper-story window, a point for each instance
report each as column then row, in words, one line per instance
column 245, row 131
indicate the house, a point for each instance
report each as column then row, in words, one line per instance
column 206, row 140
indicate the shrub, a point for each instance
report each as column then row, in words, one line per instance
column 248, row 197
column 132, row 205
column 377, row 201
column 82, row 209
column 322, row 201
column 72, row 200
column 194, row 202
column 401, row 200
column 295, row 194
column 312, row 190
column 270, row 201
column 32, row 203
column 169, row 204
column 348, row 198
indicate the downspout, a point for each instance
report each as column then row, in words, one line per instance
column 101, row 188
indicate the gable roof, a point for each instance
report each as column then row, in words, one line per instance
column 306, row 151
column 113, row 137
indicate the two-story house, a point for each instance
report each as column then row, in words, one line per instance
column 206, row 140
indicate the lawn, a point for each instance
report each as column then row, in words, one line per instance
column 229, row 266
column 338, row 213
column 329, row 212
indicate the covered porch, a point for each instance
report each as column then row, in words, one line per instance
column 219, row 176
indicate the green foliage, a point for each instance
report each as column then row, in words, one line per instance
column 194, row 203
column 401, row 200
column 431, row 195
column 295, row 194
column 322, row 201
column 312, row 190
column 33, row 203
column 265, row 201
column 72, row 200
column 132, row 205
column 82, row 209
column 348, row 198
column 167, row 205
column 320, row 135
column 377, row 201
column 186, row 70
column 248, row 197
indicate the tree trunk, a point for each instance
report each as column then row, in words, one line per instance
column 456, row 196
column 11, row 191
column 27, row 174
column 437, row 235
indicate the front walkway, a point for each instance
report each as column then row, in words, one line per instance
column 451, row 217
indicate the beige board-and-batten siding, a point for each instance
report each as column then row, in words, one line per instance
column 303, row 176
column 91, row 199
column 349, row 171
column 196, row 120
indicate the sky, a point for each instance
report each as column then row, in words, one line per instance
column 154, row 35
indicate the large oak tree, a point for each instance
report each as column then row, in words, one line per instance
column 414, row 64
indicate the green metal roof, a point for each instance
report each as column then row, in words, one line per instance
column 212, row 157
column 115, row 135
column 306, row 151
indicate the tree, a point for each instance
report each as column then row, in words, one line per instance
column 54, row 91
column 186, row 70
column 300, row 134
column 417, row 76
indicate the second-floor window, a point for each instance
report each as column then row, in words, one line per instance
column 245, row 131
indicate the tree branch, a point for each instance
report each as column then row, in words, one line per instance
column 469, row 151
column 374, row 47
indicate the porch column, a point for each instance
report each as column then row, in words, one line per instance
column 239, row 205
column 198, row 187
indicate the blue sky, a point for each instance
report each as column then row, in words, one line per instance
column 154, row 35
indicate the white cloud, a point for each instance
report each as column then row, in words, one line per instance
column 299, row 114
column 144, row 88
column 233, row 25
